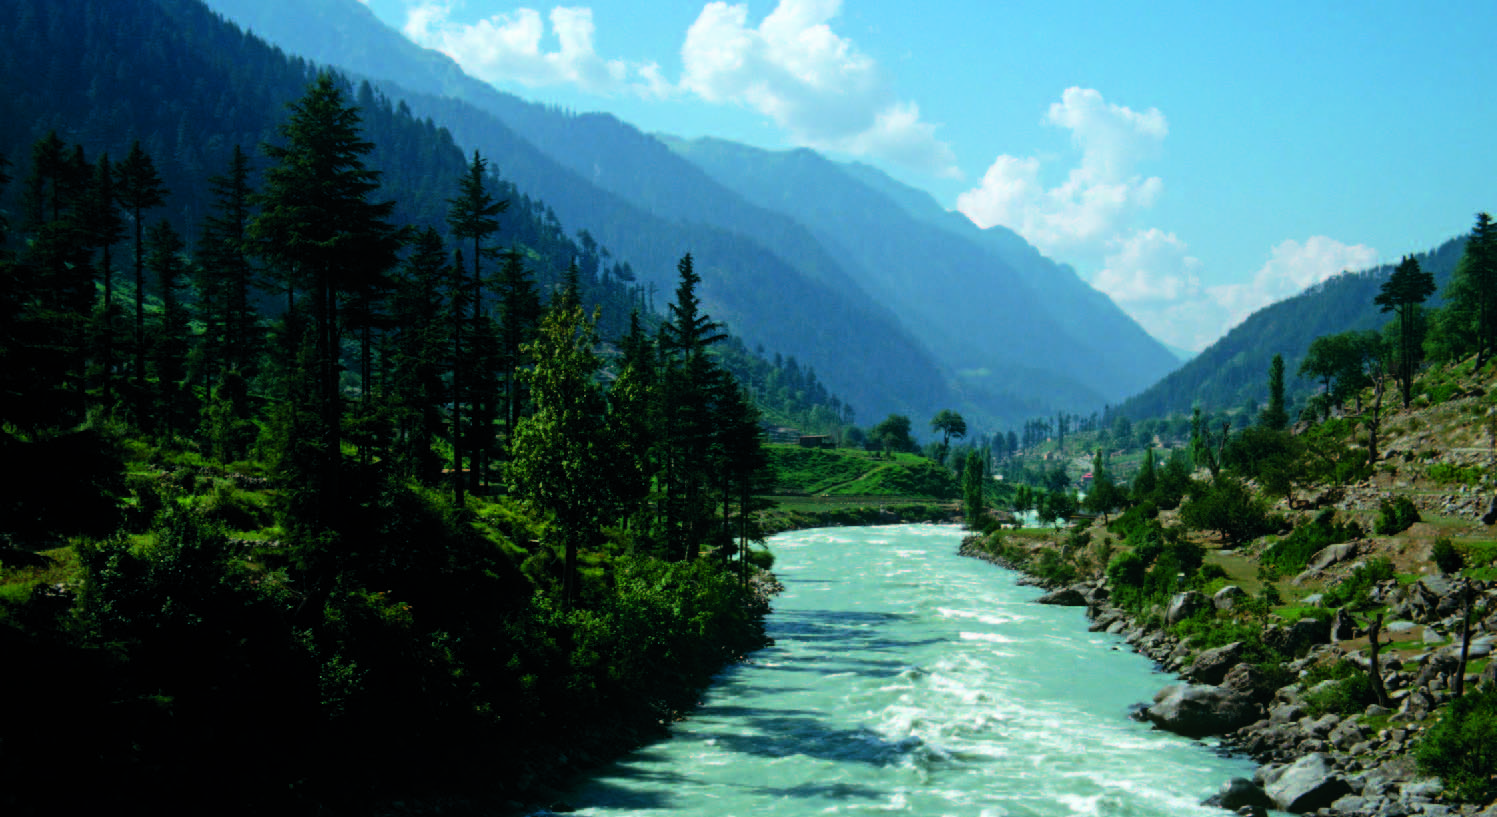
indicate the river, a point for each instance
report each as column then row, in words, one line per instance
column 908, row 680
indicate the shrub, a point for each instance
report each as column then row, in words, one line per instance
column 1446, row 557
column 1396, row 516
column 1352, row 591
column 1348, row 694
column 1445, row 473
column 1292, row 553
column 1462, row 747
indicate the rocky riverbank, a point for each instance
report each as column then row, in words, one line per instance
column 1357, row 764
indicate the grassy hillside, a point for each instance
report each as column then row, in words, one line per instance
column 845, row 472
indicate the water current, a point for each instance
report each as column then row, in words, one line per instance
column 908, row 680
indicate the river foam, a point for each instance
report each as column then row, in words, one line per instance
column 907, row 680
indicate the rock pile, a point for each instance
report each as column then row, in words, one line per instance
column 1359, row 764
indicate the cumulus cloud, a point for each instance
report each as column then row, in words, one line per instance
column 1147, row 266
column 1080, row 219
column 1153, row 278
column 508, row 47
column 810, row 81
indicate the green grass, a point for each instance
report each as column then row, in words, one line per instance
column 846, row 472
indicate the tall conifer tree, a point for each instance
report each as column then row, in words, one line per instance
column 318, row 222
column 139, row 188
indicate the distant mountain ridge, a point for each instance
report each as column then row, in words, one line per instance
column 968, row 319
column 1233, row 371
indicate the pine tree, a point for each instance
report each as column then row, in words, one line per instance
column 1473, row 290
column 317, row 223
column 107, row 228
column 232, row 338
column 519, row 315
column 1404, row 291
column 1274, row 417
column 417, row 350
column 166, row 262
column 138, row 188
column 473, row 217
column 689, row 383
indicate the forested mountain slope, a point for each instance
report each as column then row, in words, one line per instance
column 172, row 75
column 632, row 192
column 809, row 308
column 1234, row 371
column 985, row 300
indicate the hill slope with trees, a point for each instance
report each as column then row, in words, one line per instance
column 643, row 200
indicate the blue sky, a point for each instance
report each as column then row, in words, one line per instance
column 1193, row 160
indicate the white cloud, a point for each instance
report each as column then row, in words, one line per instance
column 1149, row 265
column 812, row 82
column 508, row 47
column 1153, row 279
column 1291, row 267
column 1081, row 219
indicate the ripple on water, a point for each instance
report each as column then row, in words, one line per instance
column 907, row 680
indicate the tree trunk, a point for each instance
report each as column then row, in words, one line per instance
column 1460, row 672
column 1375, row 671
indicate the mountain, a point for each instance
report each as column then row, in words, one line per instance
column 1233, row 371
column 984, row 300
column 810, row 310
column 1006, row 333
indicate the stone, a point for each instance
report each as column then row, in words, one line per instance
column 1332, row 554
column 1308, row 784
column 1184, row 605
column 1211, row 666
column 1490, row 517
column 1065, row 597
column 1238, row 793
column 1199, row 710
column 1227, row 597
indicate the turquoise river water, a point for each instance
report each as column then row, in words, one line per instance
column 908, row 680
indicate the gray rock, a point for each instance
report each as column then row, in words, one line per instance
column 1184, row 605
column 1211, row 666
column 1227, row 597
column 1238, row 793
column 1331, row 554
column 1065, row 597
column 1307, row 784
column 1197, row 710
column 1490, row 517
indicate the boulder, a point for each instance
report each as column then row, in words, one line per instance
column 1211, row 666
column 1248, row 681
column 1239, row 792
column 1072, row 596
column 1308, row 784
column 1199, row 710
column 1332, row 554
column 1184, row 605
column 1227, row 597
column 1490, row 517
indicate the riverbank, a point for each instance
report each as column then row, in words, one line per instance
column 784, row 520
column 1328, row 763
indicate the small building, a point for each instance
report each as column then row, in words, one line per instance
column 817, row 441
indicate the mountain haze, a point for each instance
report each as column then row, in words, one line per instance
column 980, row 321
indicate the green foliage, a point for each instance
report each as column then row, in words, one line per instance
column 1446, row 474
column 1396, row 516
column 1462, row 747
column 1292, row 553
column 1352, row 591
column 1446, row 557
column 1349, row 693
column 1226, row 505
